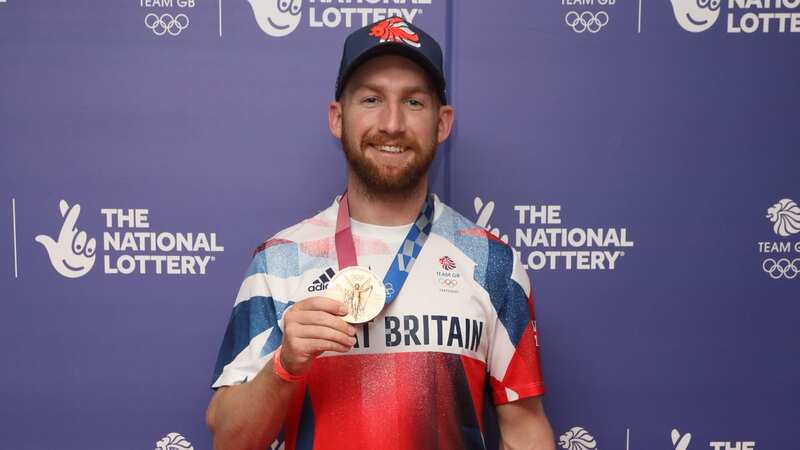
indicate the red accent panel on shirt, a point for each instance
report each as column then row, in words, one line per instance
column 480, row 232
column 270, row 243
column 393, row 401
column 476, row 377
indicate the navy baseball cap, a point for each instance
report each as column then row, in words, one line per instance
column 392, row 36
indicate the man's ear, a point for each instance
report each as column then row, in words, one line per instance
column 335, row 119
column 445, row 123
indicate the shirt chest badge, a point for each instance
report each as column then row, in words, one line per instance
column 448, row 279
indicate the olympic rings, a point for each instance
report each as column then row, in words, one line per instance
column 586, row 21
column 166, row 23
column 389, row 289
column 448, row 282
column 781, row 268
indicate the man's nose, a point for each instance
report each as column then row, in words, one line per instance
column 392, row 120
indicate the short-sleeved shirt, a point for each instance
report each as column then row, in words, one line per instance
column 460, row 337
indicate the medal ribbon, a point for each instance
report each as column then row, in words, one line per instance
column 406, row 254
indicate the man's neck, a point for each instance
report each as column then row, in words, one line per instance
column 385, row 210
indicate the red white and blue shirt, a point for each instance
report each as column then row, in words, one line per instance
column 459, row 338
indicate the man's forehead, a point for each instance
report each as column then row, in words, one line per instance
column 390, row 70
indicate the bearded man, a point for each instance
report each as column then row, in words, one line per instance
column 447, row 351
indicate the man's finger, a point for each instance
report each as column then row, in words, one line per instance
column 324, row 333
column 328, row 305
column 317, row 346
column 321, row 318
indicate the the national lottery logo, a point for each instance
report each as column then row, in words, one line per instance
column 577, row 438
column 279, row 18
column 72, row 252
column 696, row 15
column 680, row 441
column 484, row 212
column 781, row 256
column 129, row 246
column 545, row 243
column 741, row 16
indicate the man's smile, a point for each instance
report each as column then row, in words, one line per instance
column 391, row 148
column 391, row 154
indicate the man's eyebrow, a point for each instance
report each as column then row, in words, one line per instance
column 411, row 89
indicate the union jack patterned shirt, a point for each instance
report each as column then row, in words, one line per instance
column 459, row 338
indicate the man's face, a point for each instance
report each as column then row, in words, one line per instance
column 389, row 121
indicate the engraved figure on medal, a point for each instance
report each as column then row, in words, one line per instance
column 361, row 292
column 356, row 298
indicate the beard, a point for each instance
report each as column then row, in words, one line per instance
column 388, row 182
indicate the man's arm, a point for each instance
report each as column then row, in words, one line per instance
column 250, row 415
column 523, row 425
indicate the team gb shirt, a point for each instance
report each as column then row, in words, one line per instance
column 459, row 338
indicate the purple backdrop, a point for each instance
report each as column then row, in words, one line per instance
column 669, row 139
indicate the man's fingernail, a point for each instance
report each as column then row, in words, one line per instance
column 351, row 330
column 343, row 310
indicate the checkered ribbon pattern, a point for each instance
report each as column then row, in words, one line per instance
column 409, row 251
column 406, row 255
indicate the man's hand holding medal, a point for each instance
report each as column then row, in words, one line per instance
column 311, row 327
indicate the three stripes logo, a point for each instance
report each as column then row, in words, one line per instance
column 321, row 282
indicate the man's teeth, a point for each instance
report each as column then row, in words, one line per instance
column 390, row 148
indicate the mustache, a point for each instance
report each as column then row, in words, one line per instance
column 381, row 139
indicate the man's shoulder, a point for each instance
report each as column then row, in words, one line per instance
column 469, row 237
column 319, row 226
column 496, row 262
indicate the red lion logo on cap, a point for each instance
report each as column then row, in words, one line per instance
column 395, row 29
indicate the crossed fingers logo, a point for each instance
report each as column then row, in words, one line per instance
column 680, row 441
column 73, row 254
column 696, row 15
column 277, row 18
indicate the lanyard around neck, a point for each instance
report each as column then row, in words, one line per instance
column 406, row 255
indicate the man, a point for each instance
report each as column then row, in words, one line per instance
column 455, row 337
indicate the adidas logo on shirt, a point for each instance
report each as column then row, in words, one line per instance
column 321, row 283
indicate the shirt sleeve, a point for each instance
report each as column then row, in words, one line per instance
column 513, row 362
column 254, row 329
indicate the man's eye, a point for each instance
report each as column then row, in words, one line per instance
column 370, row 100
column 414, row 103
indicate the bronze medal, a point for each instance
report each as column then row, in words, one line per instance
column 361, row 292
